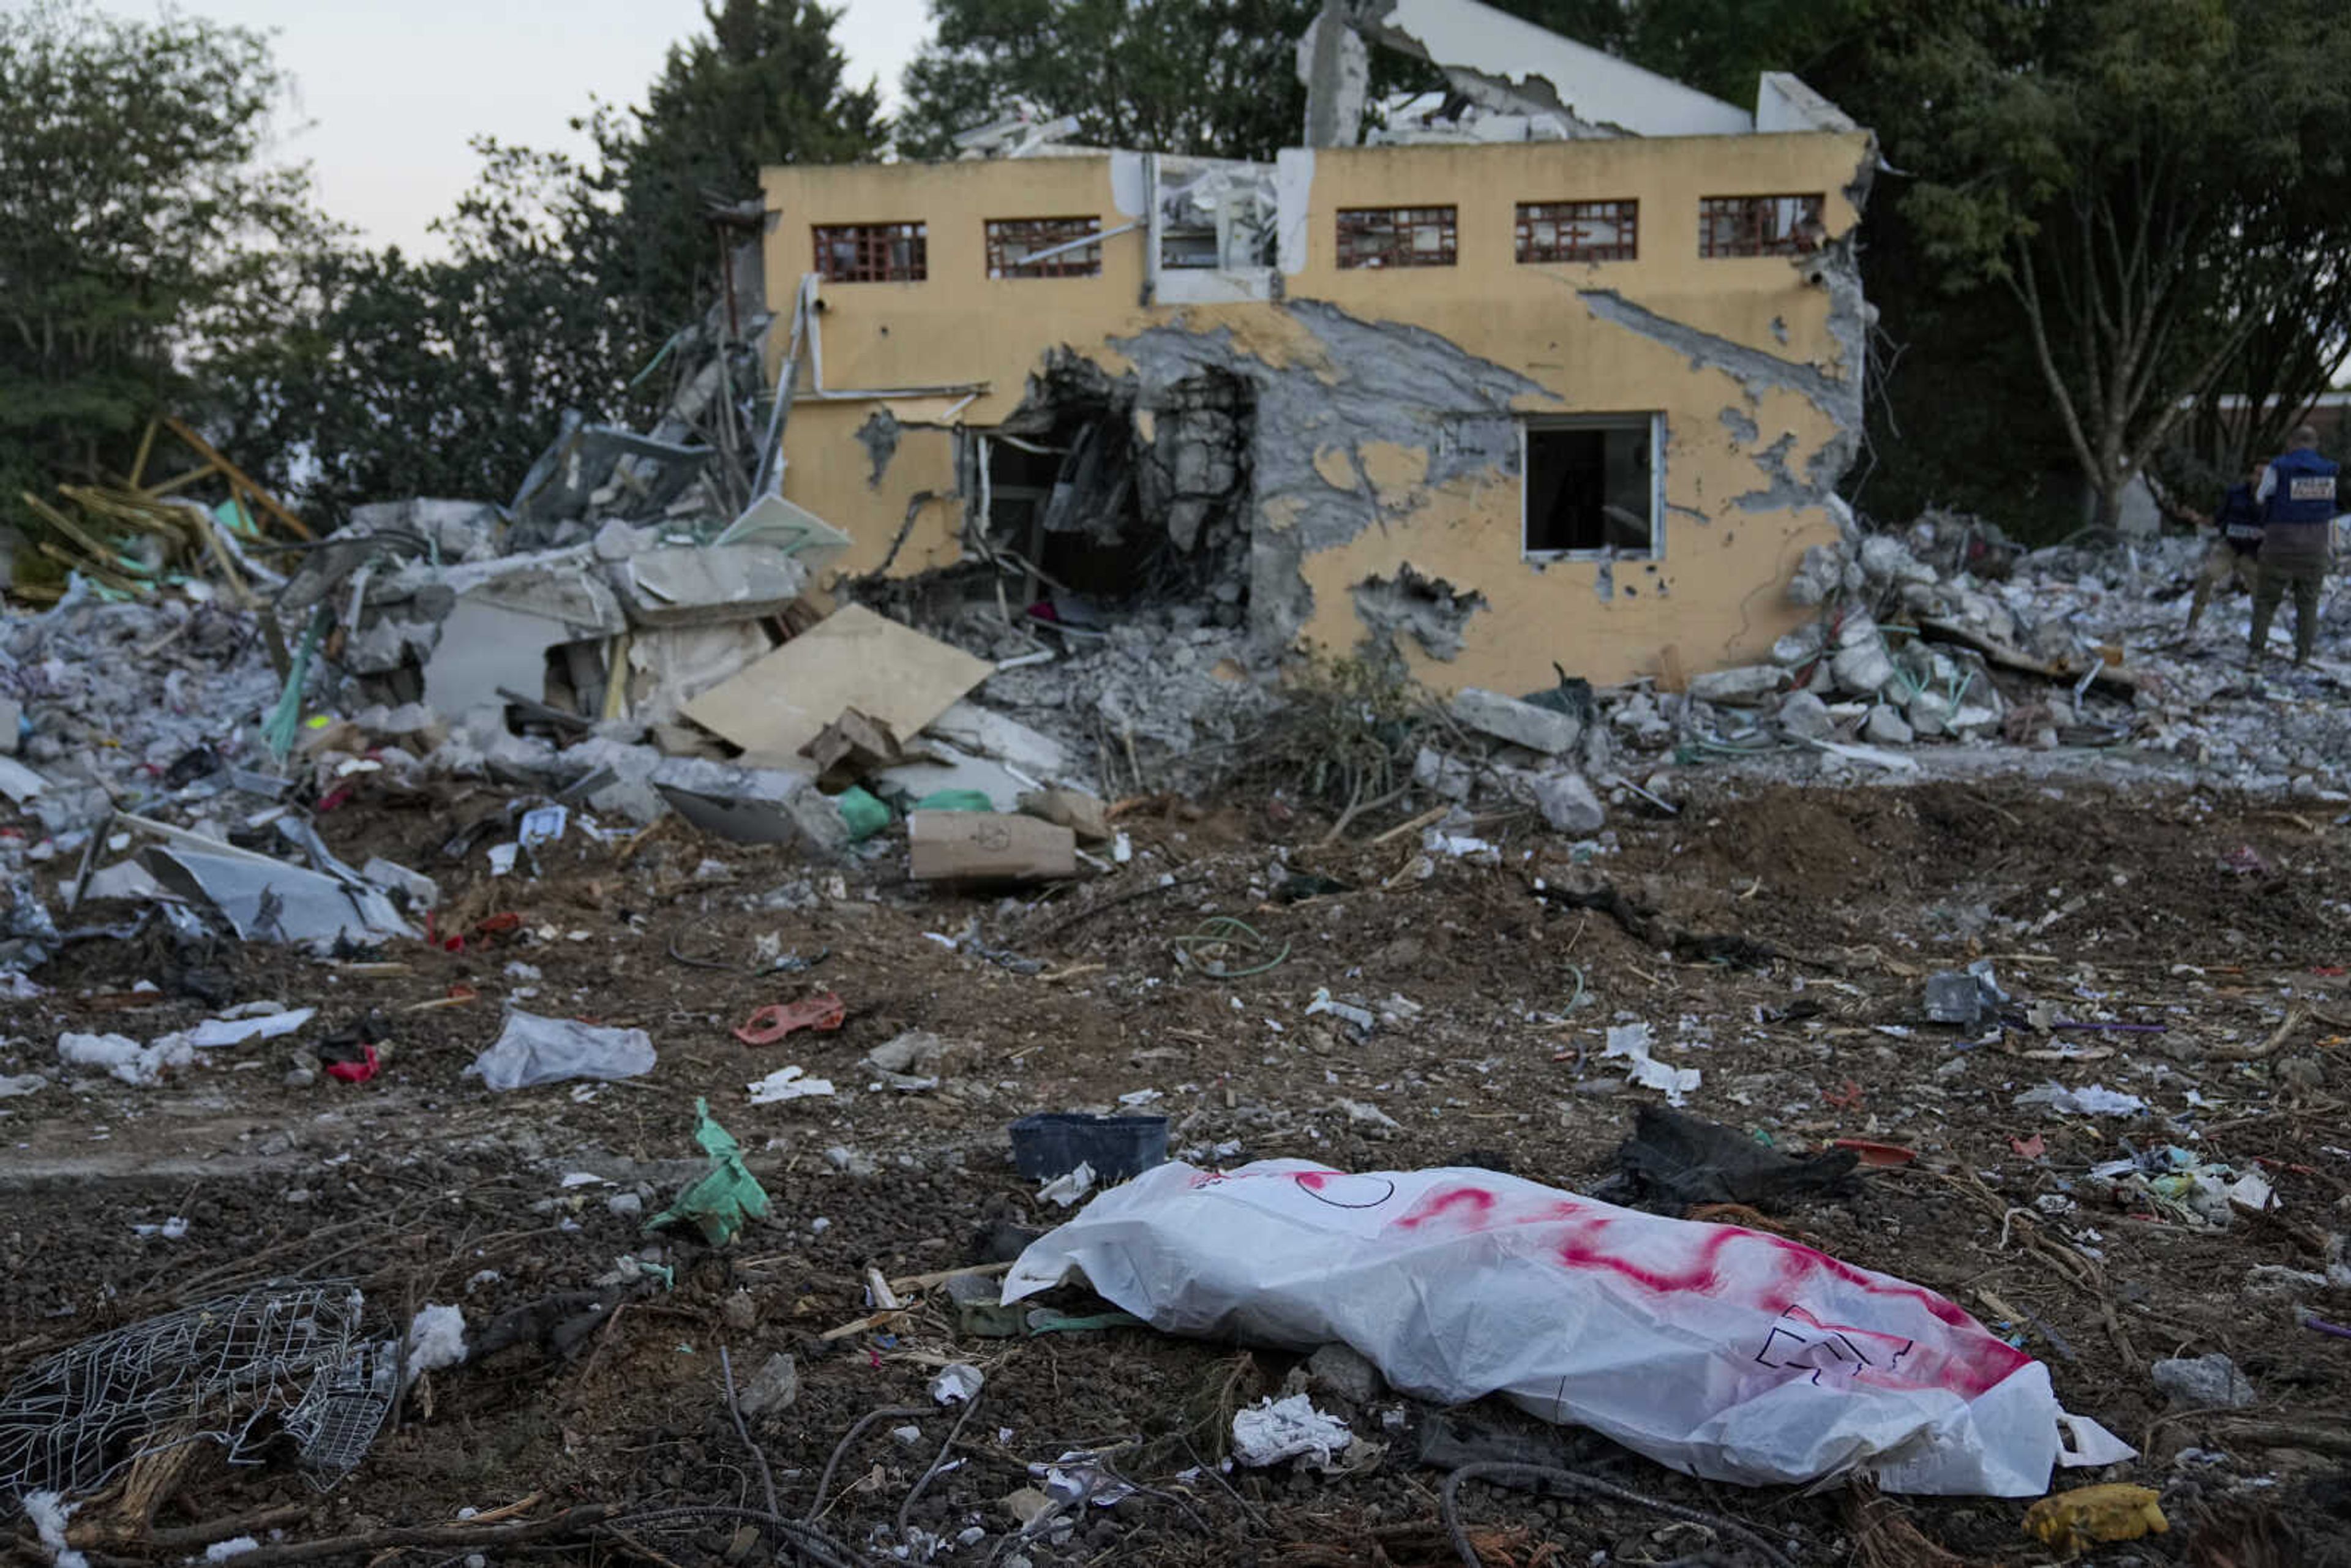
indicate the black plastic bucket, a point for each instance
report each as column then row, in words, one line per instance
column 1055, row 1143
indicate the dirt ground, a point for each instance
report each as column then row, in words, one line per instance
column 2214, row 917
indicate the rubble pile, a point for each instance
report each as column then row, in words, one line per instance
column 1165, row 692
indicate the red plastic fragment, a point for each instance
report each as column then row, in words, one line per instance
column 358, row 1072
column 823, row 1012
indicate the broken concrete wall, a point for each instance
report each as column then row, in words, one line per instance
column 1386, row 409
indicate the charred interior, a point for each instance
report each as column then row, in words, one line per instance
column 1113, row 501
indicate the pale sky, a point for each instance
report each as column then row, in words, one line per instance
column 392, row 90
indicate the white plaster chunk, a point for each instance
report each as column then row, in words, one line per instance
column 1520, row 723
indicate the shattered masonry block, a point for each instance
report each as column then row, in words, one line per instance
column 1884, row 726
column 1817, row 577
column 1863, row 669
column 1805, row 717
column 1523, row 724
column 2204, row 1383
column 1930, row 713
column 1738, row 687
column 1440, row 775
column 1974, row 723
column 1568, row 804
column 1885, row 558
column 1800, row 646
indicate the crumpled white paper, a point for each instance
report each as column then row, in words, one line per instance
column 1273, row 1430
column 1724, row 1352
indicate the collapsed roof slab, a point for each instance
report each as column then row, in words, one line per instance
column 1514, row 67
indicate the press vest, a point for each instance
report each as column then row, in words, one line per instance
column 2241, row 518
column 2305, row 491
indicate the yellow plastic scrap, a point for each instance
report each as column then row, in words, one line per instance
column 2073, row 1521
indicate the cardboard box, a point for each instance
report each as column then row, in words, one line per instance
column 981, row 846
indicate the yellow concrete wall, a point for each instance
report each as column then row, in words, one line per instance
column 1713, row 599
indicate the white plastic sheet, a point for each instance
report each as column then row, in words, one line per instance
column 1724, row 1352
column 531, row 1049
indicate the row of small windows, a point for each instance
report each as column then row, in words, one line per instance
column 1367, row 237
column 1017, row 248
column 1580, row 231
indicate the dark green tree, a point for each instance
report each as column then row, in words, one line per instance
column 1206, row 77
column 143, row 230
column 2131, row 175
column 443, row 376
column 765, row 84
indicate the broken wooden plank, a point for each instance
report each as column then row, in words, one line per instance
column 2110, row 677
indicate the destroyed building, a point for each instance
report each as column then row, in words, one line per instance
column 1566, row 374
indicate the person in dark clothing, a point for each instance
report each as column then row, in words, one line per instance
column 2236, row 552
column 2297, row 498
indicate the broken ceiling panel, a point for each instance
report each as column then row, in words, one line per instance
column 853, row 658
column 1514, row 67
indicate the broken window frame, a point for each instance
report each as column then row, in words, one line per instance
column 1735, row 226
column 894, row 252
column 1013, row 245
column 1400, row 229
column 1533, row 424
column 1583, row 220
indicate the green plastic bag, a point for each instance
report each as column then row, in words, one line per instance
column 955, row 801
column 866, row 815
column 723, row 1200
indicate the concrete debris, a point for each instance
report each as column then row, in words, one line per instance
column 1884, row 726
column 1569, row 805
column 2203, row 1383
column 1543, row 729
column 1804, row 716
column 775, row 1387
column 1339, row 1370
column 1447, row 778
column 1740, row 687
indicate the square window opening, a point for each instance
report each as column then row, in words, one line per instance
column 1579, row 230
column 872, row 253
column 1397, row 236
column 1759, row 225
column 1590, row 488
column 1044, row 247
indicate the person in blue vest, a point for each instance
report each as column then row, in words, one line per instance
column 2234, row 553
column 2297, row 498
